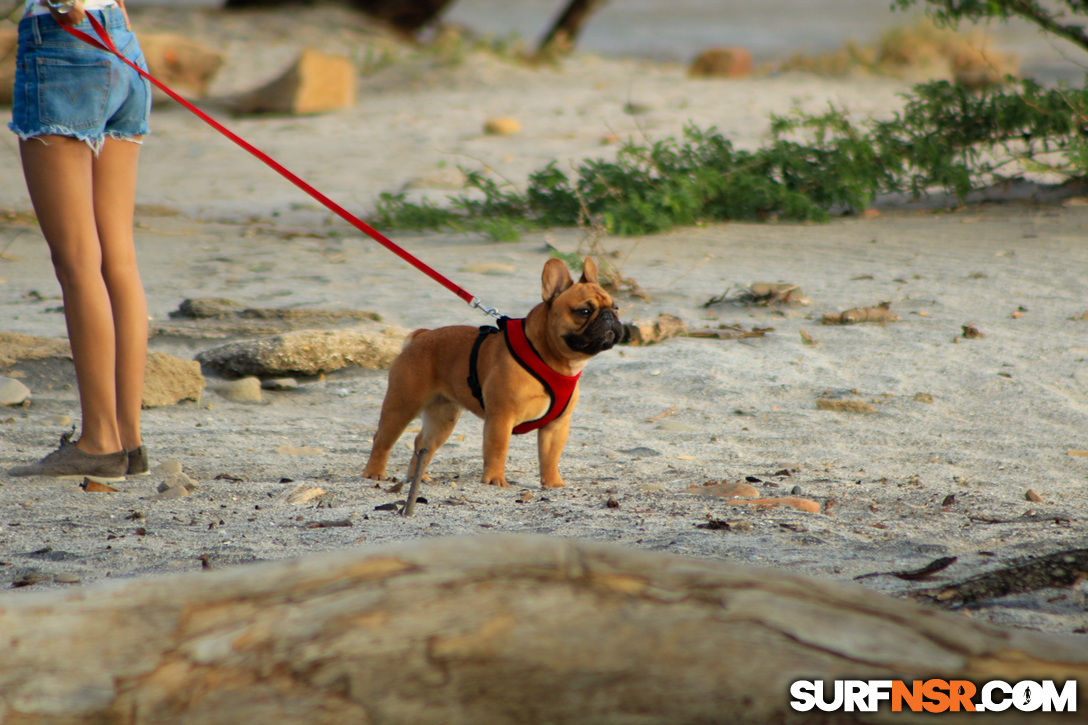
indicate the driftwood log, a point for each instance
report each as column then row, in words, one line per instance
column 484, row 630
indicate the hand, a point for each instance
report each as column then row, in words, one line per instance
column 71, row 18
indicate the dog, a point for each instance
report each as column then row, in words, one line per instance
column 519, row 378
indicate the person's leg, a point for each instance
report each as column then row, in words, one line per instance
column 60, row 179
column 114, row 173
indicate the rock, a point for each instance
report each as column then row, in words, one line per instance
column 168, row 380
column 15, row 347
column 315, row 83
column 502, row 126
column 203, row 308
column 844, row 406
column 299, row 451
column 646, row 332
column 1030, row 495
column 91, row 486
column 167, row 467
column 180, row 63
column 801, row 504
column 12, row 392
column 280, row 384
column 676, row 426
column 797, row 491
column 299, row 495
column 307, row 352
column 243, row 390
column 726, row 490
column 726, row 62
column 177, row 480
column 58, row 419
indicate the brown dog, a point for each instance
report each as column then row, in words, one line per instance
column 500, row 377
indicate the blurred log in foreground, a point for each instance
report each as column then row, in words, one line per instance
column 497, row 629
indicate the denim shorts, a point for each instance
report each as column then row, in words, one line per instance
column 67, row 87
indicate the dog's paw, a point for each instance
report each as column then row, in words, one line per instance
column 554, row 483
column 499, row 481
column 375, row 474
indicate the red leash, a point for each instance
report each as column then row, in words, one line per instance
column 107, row 45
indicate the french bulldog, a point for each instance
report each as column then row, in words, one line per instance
column 523, row 377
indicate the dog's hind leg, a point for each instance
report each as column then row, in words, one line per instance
column 440, row 416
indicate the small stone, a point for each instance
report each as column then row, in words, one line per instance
column 299, row 495
column 168, row 466
column 676, row 426
column 56, row 420
column 1030, row 495
column 92, row 486
column 28, row 577
column 12, row 392
column 726, row 490
column 176, row 485
column 612, row 503
column 844, row 406
column 65, row 578
column 243, row 390
column 797, row 491
column 280, row 384
column 923, row 397
column 722, row 63
column 299, row 451
column 502, row 126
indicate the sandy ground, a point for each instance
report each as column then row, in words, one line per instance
column 998, row 415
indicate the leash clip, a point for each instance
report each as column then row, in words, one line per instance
column 476, row 304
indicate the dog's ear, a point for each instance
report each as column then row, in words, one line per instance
column 589, row 271
column 555, row 280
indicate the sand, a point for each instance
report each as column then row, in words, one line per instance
column 961, row 428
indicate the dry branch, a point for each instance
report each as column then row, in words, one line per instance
column 482, row 630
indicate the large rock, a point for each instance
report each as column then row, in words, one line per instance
column 15, row 346
column 315, row 83
column 722, row 63
column 168, row 380
column 185, row 66
column 307, row 352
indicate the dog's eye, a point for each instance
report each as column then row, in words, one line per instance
column 584, row 312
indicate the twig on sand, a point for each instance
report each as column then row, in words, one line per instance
column 1061, row 569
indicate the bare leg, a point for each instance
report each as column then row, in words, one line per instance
column 94, row 261
column 114, row 205
column 439, row 419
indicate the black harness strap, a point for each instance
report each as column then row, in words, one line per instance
column 473, row 377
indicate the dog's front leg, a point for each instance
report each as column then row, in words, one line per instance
column 550, row 441
column 497, row 430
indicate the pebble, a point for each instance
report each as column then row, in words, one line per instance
column 726, row 490
column 242, row 390
column 502, row 126
column 280, row 384
column 677, row 427
column 56, row 420
column 168, row 466
column 12, row 392
column 65, row 578
column 1030, row 495
column 176, row 485
column 797, row 491
column 91, row 486
column 299, row 451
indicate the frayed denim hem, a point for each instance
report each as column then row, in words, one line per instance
column 95, row 142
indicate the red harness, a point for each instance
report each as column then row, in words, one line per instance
column 559, row 388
